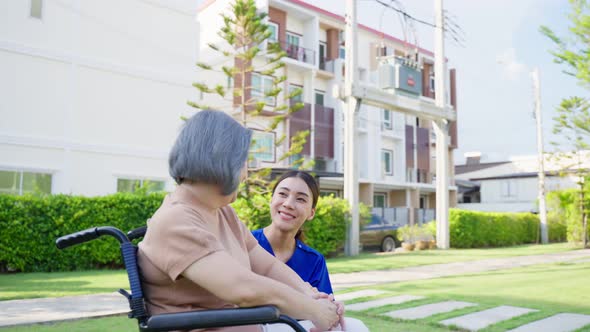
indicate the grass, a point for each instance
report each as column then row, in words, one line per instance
column 57, row 284
column 387, row 261
column 116, row 323
column 548, row 288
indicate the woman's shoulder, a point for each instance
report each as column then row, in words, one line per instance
column 257, row 233
column 309, row 251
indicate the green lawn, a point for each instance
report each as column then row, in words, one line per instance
column 387, row 261
column 56, row 284
column 549, row 288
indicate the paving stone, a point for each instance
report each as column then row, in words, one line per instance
column 556, row 323
column 356, row 295
column 479, row 320
column 382, row 302
column 428, row 310
column 16, row 312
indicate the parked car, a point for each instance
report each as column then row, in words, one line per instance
column 378, row 232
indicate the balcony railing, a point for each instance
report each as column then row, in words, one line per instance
column 425, row 215
column 392, row 216
column 399, row 216
column 327, row 65
column 298, row 53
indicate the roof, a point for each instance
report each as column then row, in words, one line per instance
column 462, row 169
column 515, row 176
column 466, row 187
column 319, row 10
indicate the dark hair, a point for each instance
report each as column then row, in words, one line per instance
column 212, row 148
column 311, row 183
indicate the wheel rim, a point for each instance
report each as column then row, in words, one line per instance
column 388, row 244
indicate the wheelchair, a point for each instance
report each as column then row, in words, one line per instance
column 172, row 321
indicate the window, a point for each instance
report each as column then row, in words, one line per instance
column 20, row 182
column 293, row 39
column 263, row 146
column 386, row 120
column 341, row 52
column 37, row 9
column 322, row 54
column 274, row 32
column 387, row 162
column 261, row 85
column 379, row 200
column 319, row 97
column 508, row 188
column 133, row 185
column 431, row 78
column 299, row 97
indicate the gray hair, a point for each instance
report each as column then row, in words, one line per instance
column 211, row 148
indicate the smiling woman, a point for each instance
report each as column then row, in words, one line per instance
column 293, row 203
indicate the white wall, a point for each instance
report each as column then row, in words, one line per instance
column 94, row 90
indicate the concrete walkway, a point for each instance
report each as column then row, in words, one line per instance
column 21, row 312
column 347, row 280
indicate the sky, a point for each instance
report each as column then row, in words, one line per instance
column 502, row 44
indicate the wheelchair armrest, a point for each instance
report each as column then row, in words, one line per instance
column 214, row 318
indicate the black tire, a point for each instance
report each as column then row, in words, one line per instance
column 388, row 244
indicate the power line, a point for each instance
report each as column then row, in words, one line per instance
column 405, row 14
column 454, row 30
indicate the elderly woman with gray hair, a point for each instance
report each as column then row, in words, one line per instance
column 196, row 254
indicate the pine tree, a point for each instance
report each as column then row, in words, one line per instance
column 247, row 49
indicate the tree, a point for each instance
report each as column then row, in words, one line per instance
column 573, row 120
column 573, row 125
column 247, row 51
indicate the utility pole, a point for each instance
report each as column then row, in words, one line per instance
column 351, row 170
column 441, row 130
column 541, row 174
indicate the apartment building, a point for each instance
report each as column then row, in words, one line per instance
column 92, row 98
column 396, row 151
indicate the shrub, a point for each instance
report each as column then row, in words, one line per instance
column 29, row 226
column 471, row 229
column 564, row 217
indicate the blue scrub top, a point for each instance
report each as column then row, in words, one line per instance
column 309, row 264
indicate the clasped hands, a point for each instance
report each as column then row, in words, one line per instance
column 339, row 325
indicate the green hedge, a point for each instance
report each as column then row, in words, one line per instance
column 30, row 224
column 471, row 229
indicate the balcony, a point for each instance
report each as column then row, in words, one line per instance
column 323, row 132
column 298, row 53
column 327, row 65
column 425, row 215
column 396, row 217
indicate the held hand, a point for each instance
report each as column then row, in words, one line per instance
column 326, row 315
column 340, row 312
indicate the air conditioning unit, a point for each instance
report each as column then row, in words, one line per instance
column 320, row 165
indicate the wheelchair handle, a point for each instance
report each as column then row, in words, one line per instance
column 89, row 235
